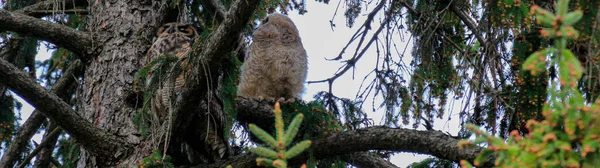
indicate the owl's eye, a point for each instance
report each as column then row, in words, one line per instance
column 188, row 31
column 184, row 29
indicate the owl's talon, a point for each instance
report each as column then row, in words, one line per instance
column 267, row 99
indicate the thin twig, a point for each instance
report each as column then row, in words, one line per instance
column 350, row 62
column 39, row 148
column 55, row 162
column 49, row 12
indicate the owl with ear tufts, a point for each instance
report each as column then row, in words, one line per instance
column 175, row 40
column 275, row 66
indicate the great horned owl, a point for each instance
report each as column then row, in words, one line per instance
column 173, row 39
column 176, row 40
column 276, row 63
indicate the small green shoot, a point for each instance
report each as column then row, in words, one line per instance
column 277, row 155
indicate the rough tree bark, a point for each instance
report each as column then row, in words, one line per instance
column 125, row 28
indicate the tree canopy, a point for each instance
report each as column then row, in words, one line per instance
column 511, row 63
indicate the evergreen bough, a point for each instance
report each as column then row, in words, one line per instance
column 569, row 135
column 277, row 155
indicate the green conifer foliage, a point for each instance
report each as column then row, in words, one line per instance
column 569, row 134
column 278, row 153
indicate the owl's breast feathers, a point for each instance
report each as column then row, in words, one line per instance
column 277, row 62
column 185, row 45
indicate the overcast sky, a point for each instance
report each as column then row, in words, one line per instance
column 320, row 42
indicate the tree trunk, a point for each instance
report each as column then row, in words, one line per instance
column 109, row 77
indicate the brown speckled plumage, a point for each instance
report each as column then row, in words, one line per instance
column 174, row 39
column 276, row 62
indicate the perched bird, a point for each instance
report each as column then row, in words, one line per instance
column 276, row 63
column 173, row 39
column 176, row 40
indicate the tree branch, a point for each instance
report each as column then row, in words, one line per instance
column 17, row 146
column 55, row 162
column 63, row 36
column 365, row 27
column 358, row 159
column 60, row 88
column 206, row 68
column 396, row 139
column 367, row 159
column 44, row 156
column 53, row 6
column 41, row 146
column 433, row 143
column 48, row 5
column 50, row 12
column 91, row 138
column 216, row 7
column 33, row 123
column 469, row 22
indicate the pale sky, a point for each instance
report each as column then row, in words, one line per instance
column 321, row 42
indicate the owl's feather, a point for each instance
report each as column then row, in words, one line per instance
column 176, row 40
column 276, row 63
column 173, row 39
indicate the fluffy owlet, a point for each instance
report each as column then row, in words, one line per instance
column 176, row 40
column 276, row 63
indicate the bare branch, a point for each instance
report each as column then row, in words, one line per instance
column 217, row 47
column 367, row 159
column 50, row 12
column 242, row 160
column 39, row 148
column 397, row 139
column 55, row 162
column 47, row 5
column 69, row 38
column 33, row 123
column 53, row 6
column 91, row 138
column 17, row 146
column 216, row 7
column 359, row 159
column 433, row 143
column 366, row 27
column 44, row 156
